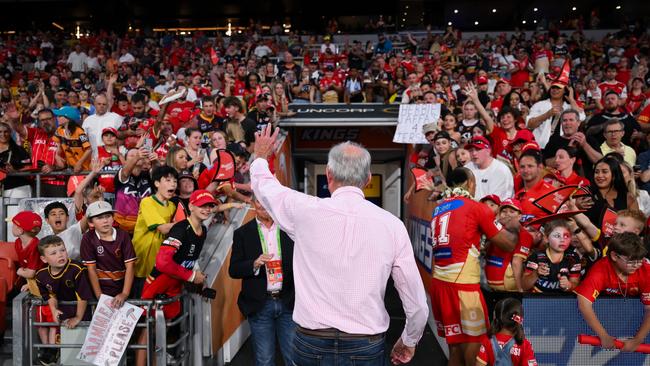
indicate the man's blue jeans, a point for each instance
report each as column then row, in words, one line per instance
column 339, row 351
column 273, row 321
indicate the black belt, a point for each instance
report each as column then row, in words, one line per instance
column 335, row 333
column 274, row 294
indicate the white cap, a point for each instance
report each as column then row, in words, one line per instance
column 97, row 208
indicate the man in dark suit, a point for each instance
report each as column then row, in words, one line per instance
column 262, row 256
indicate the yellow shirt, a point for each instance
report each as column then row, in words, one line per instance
column 629, row 155
column 146, row 239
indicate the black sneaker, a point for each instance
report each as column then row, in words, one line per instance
column 48, row 356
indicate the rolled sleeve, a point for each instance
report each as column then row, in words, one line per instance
column 411, row 291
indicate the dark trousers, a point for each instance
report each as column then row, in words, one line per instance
column 273, row 322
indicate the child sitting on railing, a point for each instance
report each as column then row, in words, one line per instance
column 63, row 280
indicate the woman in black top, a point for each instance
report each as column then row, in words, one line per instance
column 609, row 190
column 13, row 158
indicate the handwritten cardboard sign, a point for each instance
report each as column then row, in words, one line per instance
column 410, row 121
column 109, row 332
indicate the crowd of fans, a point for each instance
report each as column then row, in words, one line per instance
column 149, row 117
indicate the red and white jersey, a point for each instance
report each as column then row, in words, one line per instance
column 616, row 86
column 456, row 229
column 521, row 355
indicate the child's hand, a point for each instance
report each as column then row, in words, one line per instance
column 25, row 288
column 565, row 284
column 607, row 341
column 57, row 316
column 71, row 323
column 119, row 300
column 543, row 269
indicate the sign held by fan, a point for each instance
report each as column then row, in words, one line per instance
column 223, row 169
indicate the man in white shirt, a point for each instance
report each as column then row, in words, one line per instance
column 92, row 63
column 544, row 116
column 77, row 60
column 126, row 57
column 262, row 50
column 95, row 124
column 492, row 176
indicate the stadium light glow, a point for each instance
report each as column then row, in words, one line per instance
column 455, row 11
column 618, row 7
column 476, row 22
column 448, row 23
column 574, row 8
column 535, row 9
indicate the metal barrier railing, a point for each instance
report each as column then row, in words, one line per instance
column 177, row 353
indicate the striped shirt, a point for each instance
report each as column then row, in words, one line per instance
column 108, row 258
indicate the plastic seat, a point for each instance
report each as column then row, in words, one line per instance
column 8, row 262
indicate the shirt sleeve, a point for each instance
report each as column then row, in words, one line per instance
column 411, row 291
column 532, row 263
column 527, row 354
column 576, row 266
column 82, row 286
column 644, row 286
column 165, row 259
column 83, row 138
column 87, row 250
column 482, row 356
column 40, row 282
column 128, row 252
column 486, row 225
column 594, row 282
column 151, row 214
column 281, row 202
column 525, row 244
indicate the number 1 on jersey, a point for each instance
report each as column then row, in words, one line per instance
column 441, row 223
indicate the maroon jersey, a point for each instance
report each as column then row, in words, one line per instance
column 109, row 258
column 70, row 284
column 456, row 228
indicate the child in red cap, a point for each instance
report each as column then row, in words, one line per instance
column 26, row 225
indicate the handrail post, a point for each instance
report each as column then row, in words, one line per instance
column 19, row 326
column 161, row 336
column 38, row 185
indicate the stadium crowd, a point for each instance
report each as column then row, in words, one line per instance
column 552, row 130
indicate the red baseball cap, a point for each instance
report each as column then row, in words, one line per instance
column 512, row 203
column 202, row 198
column 477, row 142
column 532, row 145
column 491, row 197
column 481, row 80
column 524, row 136
column 109, row 130
column 27, row 220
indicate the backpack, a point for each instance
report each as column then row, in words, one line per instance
column 502, row 355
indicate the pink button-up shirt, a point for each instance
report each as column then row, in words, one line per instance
column 345, row 249
column 272, row 245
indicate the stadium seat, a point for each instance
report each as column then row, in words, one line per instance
column 8, row 260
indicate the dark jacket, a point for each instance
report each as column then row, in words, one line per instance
column 246, row 248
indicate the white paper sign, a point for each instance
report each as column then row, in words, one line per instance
column 109, row 332
column 410, row 121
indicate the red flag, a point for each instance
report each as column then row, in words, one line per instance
column 609, row 221
column 552, row 201
column 563, row 77
column 213, row 56
column 422, row 180
column 223, row 169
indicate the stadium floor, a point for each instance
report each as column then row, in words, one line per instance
column 427, row 353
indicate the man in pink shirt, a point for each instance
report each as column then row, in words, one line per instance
column 345, row 250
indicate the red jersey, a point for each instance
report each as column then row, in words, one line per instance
column 327, row 82
column 634, row 103
column 108, row 180
column 28, row 256
column 574, row 179
column 500, row 142
column 239, row 88
column 521, row 355
column 43, row 147
column 498, row 269
column 602, row 278
column 616, row 86
column 134, row 123
column 527, row 196
column 521, row 75
column 456, row 229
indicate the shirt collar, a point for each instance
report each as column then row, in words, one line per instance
column 348, row 190
column 259, row 223
column 114, row 234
